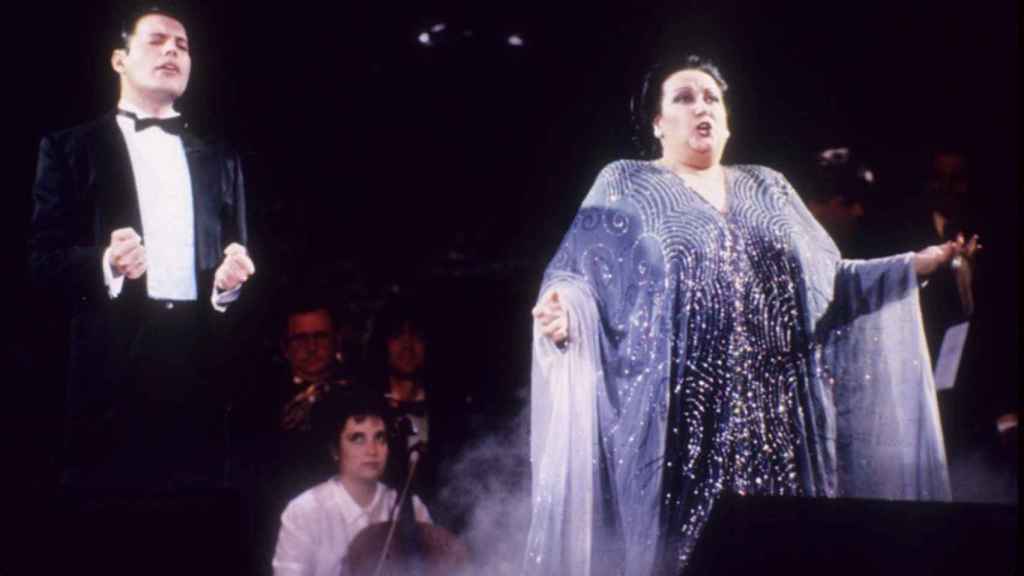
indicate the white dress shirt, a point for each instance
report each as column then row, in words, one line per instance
column 164, row 187
column 319, row 524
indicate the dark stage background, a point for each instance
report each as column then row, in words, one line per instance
column 376, row 162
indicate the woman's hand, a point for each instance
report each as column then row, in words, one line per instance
column 553, row 318
column 928, row 260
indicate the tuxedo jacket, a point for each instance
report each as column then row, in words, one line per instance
column 84, row 189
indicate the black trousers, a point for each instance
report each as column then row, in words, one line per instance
column 153, row 497
column 167, row 430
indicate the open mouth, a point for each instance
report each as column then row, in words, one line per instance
column 704, row 128
column 169, row 68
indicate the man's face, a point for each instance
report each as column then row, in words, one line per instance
column 841, row 216
column 363, row 449
column 406, row 351
column 156, row 65
column 309, row 344
column 948, row 183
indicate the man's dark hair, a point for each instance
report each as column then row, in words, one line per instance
column 646, row 103
column 303, row 300
column 130, row 19
column 838, row 172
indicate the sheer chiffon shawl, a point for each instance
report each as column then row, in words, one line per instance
column 564, row 440
column 867, row 415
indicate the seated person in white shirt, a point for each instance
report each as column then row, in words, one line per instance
column 318, row 526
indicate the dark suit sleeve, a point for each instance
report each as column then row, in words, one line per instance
column 231, row 220
column 226, row 327
column 234, row 221
column 64, row 254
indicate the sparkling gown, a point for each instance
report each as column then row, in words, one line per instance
column 716, row 352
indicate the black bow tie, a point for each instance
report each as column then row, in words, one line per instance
column 173, row 125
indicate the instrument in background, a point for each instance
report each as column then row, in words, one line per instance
column 295, row 414
column 435, row 552
column 420, row 549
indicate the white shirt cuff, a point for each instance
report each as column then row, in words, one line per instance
column 113, row 283
column 221, row 300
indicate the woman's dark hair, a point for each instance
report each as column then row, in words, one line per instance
column 330, row 415
column 646, row 103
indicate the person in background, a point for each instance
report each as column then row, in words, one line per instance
column 837, row 197
column 278, row 451
column 944, row 214
column 310, row 344
column 397, row 369
column 318, row 525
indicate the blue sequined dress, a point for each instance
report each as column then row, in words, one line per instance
column 715, row 352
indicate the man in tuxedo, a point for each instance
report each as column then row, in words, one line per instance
column 140, row 227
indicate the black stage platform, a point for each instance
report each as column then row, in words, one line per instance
column 759, row 535
column 203, row 533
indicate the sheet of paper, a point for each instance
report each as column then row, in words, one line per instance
column 949, row 355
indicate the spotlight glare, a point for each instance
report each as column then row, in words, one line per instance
column 515, row 40
column 439, row 27
column 424, row 39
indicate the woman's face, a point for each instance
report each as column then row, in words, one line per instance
column 363, row 449
column 692, row 125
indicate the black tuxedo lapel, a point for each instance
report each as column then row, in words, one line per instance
column 205, row 170
column 116, row 195
column 115, row 182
